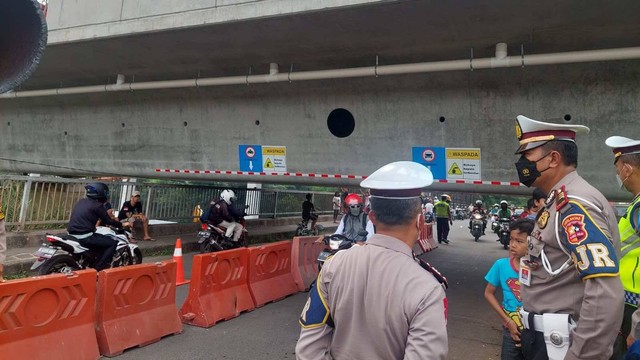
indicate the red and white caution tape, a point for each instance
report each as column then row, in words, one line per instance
column 324, row 176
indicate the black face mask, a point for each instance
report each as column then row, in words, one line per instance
column 527, row 170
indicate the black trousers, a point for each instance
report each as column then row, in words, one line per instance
column 533, row 346
column 620, row 345
column 105, row 245
column 443, row 228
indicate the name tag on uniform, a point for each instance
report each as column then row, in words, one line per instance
column 524, row 273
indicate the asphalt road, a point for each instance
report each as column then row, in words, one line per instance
column 271, row 332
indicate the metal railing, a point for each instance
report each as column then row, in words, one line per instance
column 46, row 203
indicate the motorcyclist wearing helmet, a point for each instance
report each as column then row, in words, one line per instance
column 309, row 211
column 477, row 207
column 504, row 212
column 355, row 221
column 221, row 214
column 82, row 224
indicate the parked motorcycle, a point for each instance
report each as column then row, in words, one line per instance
column 64, row 254
column 477, row 223
column 333, row 244
column 212, row 237
column 504, row 234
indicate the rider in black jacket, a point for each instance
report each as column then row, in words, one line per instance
column 82, row 224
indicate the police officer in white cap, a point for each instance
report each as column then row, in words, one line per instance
column 404, row 316
column 571, row 291
column 626, row 154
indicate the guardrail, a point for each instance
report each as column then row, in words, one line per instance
column 46, row 202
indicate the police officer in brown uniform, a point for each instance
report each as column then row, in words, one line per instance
column 375, row 301
column 571, row 291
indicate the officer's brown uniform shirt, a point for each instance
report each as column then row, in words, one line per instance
column 383, row 304
column 590, row 289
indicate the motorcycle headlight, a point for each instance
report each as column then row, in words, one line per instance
column 477, row 217
column 334, row 244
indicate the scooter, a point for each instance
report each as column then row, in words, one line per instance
column 504, row 234
column 64, row 254
column 304, row 230
column 477, row 223
column 333, row 244
column 212, row 237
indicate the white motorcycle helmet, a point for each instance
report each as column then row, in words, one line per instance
column 228, row 196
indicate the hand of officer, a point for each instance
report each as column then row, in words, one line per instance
column 630, row 340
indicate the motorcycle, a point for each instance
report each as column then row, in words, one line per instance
column 504, row 233
column 477, row 223
column 212, row 237
column 64, row 254
column 304, row 230
column 333, row 244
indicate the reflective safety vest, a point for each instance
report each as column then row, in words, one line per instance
column 630, row 242
column 441, row 209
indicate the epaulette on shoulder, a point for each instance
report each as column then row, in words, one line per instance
column 562, row 199
column 436, row 274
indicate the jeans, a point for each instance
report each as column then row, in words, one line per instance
column 105, row 245
column 509, row 349
column 533, row 345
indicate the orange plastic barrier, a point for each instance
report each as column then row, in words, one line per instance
column 270, row 276
column 49, row 317
column 136, row 306
column 218, row 289
column 426, row 242
column 304, row 255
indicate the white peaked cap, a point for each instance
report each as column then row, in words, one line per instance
column 533, row 133
column 400, row 179
column 623, row 146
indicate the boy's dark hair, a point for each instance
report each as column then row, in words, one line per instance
column 522, row 225
column 308, row 196
column 538, row 194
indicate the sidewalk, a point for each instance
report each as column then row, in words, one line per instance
column 20, row 259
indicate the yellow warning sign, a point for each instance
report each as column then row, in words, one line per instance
column 274, row 150
column 470, row 154
column 455, row 170
column 268, row 164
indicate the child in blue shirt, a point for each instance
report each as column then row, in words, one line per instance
column 504, row 274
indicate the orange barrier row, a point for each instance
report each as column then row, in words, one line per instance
column 219, row 288
column 49, row 317
column 304, row 255
column 270, row 277
column 136, row 306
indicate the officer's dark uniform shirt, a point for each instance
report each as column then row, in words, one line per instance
column 86, row 214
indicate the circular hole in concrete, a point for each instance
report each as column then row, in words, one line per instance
column 567, row 117
column 123, row 125
column 442, row 119
column 8, row 123
column 185, row 123
column 65, row 133
column 257, row 122
column 341, row 123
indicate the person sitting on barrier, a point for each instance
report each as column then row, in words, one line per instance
column 355, row 221
column 131, row 211
column 221, row 214
column 308, row 212
column 82, row 224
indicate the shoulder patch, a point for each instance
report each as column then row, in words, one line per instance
column 591, row 250
column 316, row 311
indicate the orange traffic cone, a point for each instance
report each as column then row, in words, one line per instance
column 177, row 257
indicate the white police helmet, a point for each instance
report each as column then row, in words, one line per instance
column 228, row 196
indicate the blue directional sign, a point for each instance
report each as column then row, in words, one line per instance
column 250, row 157
column 433, row 158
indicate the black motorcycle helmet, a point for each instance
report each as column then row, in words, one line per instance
column 98, row 191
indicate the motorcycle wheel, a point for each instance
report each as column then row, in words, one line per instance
column 505, row 246
column 476, row 238
column 204, row 247
column 57, row 264
column 299, row 231
column 137, row 259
